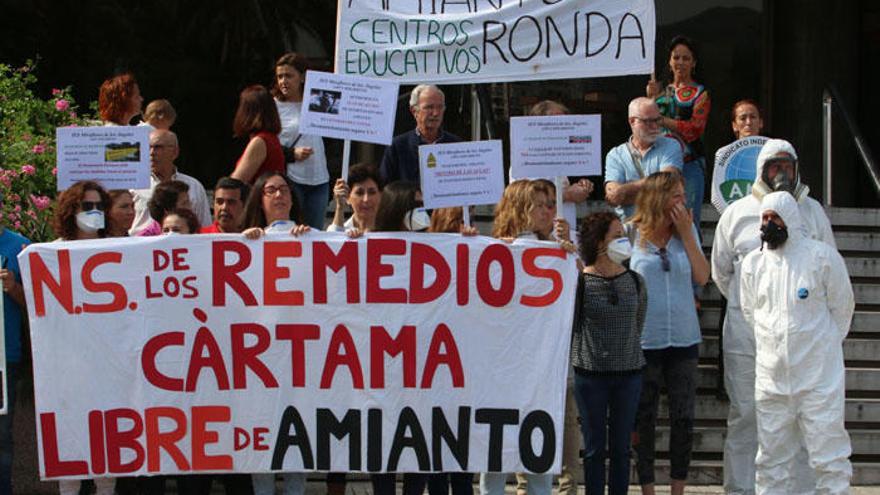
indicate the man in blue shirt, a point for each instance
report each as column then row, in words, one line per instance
column 644, row 153
column 11, row 243
column 401, row 160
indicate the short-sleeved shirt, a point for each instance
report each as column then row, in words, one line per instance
column 11, row 244
column 619, row 165
column 401, row 158
column 671, row 319
column 198, row 198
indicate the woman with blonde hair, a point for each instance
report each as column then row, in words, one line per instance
column 527, row 210
column 667, row 255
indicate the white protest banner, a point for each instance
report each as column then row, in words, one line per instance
column 348, row 107
column 557, row 145
column 117, row 157
column 461, row 174
column 213, row 353
column 471, row 41
column 736, row 166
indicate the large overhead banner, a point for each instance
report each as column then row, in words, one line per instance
column 478, row 41
column 394, row 352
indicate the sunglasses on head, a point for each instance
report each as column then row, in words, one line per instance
column 91, row 205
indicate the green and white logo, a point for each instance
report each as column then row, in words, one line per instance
column 735, row 170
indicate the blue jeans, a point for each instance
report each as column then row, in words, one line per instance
column 6, row 431
column 607, row 403
column 313, row 202
column 695, row 186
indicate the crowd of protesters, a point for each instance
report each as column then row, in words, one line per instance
column 636, row 325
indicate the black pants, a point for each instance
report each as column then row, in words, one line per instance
column 677, row 367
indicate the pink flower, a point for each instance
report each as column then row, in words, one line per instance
column 31, row 213
column 28, row 169
column 15, row 198
column 17, row 208
column 54, row 170
column 73, row 116
column 16, row 225
column 62, row 105
column 56, row 91
column 39, row 149
column 41, row 202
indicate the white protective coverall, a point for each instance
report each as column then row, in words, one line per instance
column 737, row 234
column 799, row 300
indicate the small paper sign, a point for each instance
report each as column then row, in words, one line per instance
column 117, row 157
column 461, row 174
column 349, row 107
column 553, row 146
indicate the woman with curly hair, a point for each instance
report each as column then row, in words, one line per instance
column 667, row 255
column 79, row 215
column 119, row 100
column 257, row 119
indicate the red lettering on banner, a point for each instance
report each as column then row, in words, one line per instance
column 244, row 357
column 272, row 273
column 117, row 440
column 451, row 358
column 161, row 260
column 224, row 274
column 202, row 436
column 120, row 299
column 148, row 361
column 462, row 274
column 421, row 256
column 214, row 360
column 62, row 288
column 341, row 341
column 376, row 270
column 52, row 463
column 324, row 258
column 500, row 297
column 297, row 335
column 165, row 440
column 381, row 343
column 528, row 259
column 96, row 445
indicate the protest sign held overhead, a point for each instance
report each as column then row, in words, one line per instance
column 461, row 174
column 556, row 145
column 117, row 157
column 475, row 41
column 348, row 107
column 298, row 354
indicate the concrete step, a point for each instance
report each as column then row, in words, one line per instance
column 846, row 241
column 854, row 349
column 858, row 380
column 859, row 413
column 864, row 322
column 709, row 439
column 864, row 293
column 839, row 217
column 710, row 472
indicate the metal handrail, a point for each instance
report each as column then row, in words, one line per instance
column 830, row 95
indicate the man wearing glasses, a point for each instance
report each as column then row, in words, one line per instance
column 645, row 152
column 163, row 151
column 401, row 160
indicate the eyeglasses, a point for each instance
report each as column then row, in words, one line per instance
column 91, row 205
column 664, row 259
column 273, row 190
column 654, row 121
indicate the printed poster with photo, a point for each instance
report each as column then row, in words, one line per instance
column 117, row 157
column 349, row 107
column 557, row 145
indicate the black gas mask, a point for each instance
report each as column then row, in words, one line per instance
column 783, row 181
column 773, row 235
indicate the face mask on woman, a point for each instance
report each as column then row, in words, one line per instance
column 619, row 250
column 90, row 221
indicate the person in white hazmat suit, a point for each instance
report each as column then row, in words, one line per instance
column 797, row 295
column 737, row 234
